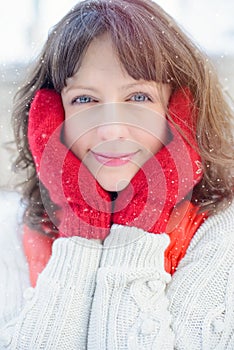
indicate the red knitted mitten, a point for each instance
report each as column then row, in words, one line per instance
column 85, row 205
column 166, row 178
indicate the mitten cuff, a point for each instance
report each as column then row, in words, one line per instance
column 134, row 248
column 73, row 262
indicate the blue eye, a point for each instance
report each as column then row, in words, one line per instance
column 140, row 97
column 82, row 99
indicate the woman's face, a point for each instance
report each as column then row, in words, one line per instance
column 113, row 123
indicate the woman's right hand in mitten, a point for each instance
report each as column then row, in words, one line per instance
column 85, row 207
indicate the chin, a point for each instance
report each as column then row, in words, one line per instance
column 113, row 186
column 113, row 179
column 114, row 182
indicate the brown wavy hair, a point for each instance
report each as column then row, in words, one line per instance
column 150, row 46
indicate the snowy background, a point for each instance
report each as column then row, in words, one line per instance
column 24, row 26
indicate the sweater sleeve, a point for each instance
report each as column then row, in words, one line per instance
column 56, row 313
column 130, row 308
column 201, row 292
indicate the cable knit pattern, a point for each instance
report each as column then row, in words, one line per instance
column 202, row 290
column 130, row 309
column 118, row 296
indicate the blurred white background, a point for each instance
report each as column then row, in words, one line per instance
column 24, row 26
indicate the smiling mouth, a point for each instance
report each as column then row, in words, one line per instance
column 114, row 159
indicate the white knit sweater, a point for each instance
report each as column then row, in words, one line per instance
column 118, row 295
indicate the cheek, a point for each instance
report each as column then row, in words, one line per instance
column 77, row 143
column 78, row 148
column 153, row 139
column 152, row 144
column 156, row 146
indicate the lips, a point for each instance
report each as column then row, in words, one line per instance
column 114, row 159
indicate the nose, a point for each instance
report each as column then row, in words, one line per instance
column 112, row 124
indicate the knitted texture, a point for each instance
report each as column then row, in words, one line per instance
column 178, row 174
column 62, row 309
column 85, row 206
column 38, row 247
column 60, row 313
column 166, row 178
column 131, row 273
column 201, row 292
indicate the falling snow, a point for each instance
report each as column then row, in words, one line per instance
column 23, row 36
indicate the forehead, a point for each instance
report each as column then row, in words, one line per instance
column 102, row 51
column 100, row 59
column 136, row 38
column 101, row 70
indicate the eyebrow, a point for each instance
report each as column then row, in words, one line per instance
column 82, row 87
column 145, row 84
column 123, row 87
